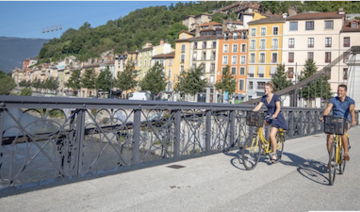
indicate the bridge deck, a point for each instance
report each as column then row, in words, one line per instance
column 212, row 183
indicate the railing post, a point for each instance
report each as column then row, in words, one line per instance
column 301, row 129
column 177, row 134
column 308, row 114
column 316, row 122
column 1, row 129
column 232, row 128
column 208, row 130
column 136, row 137
column 80, row 136
column 291, row 124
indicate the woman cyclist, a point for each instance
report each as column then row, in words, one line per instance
column 273, row 116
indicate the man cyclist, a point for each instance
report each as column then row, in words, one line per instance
column 341, row 105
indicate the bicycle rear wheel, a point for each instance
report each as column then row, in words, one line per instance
column 279, row 147
column 251, row 152
column 332, row 163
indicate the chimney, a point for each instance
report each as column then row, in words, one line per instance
column 284, row 15
column 341, row 10
column 197, row 31
column 162, row 41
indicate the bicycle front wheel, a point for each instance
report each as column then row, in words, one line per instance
column 251, row 152
column 342, row 162
column 332, row 163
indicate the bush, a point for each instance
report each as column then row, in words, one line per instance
column 26, row 92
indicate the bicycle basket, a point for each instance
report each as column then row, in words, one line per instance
column 334, row 125
column 254, row 119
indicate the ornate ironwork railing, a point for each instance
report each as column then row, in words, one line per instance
column 47, row 138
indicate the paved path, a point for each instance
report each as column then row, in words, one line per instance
column 212, row 183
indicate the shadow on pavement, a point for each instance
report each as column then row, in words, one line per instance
column 313, row 170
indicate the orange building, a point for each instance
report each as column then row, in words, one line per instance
column 232, row 51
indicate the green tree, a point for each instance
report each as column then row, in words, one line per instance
column 155, row 80
column 227, row 82
column 74, row 81
column 317, row 88
column 280, row 79
column 103, row 81
column 126, row 80
column 88, row 80
column 191, row 81
column 37, row 84
column 6, row 85
column 26, row 92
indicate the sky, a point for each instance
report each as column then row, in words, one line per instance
column 27, row 19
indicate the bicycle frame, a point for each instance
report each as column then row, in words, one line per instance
column 266, row 143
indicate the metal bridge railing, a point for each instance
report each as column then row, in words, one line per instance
column 46, row 138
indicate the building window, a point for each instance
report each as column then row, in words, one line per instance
column 203, row 56
column 261, row 75
column 293, row 26
column 234, row 48
column 212, row 78
column 234, row 60
column 181, row 69
column 274, row 58
column 252, row 44
column 182, row 58
column 262, row 58
column 263, row 31
column 253, row 31
column 311, row 56
column 204, row 45
column 329, row 24
column 354, row 25
column 242, row 70
column 226, row 36
column 213, row 54
column 327, row 57
column 241, row 85
column 251, row 75
column 243, row 47
column 169, row 73
column 252, row 58
column 346, row 41
column 195, row 45
column 233, row 70
column 291, row 42
column 212, row 68
column 290, row 72
column 260, row 85
column 242, row 59
column 328, row 42
column 225, row 60
column 345, row 73
column 275, row 30
column 194, row 56
column 275, row 43
column 170, row 62
column 226, row 48
column 291, row 57
column 182, row 48
column 328, row 72
column 251, row 85
column 309, row 25
column 262, row 43
column 235, row 35
column 214, row 44
column 310, row 42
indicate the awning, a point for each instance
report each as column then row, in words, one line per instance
column 251, row 70
column 261, row 70
column 273, row 70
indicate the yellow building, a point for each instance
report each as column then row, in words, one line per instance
column 264, row 53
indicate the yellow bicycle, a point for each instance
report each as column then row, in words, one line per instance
column 256, row 143
column 336, row 126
